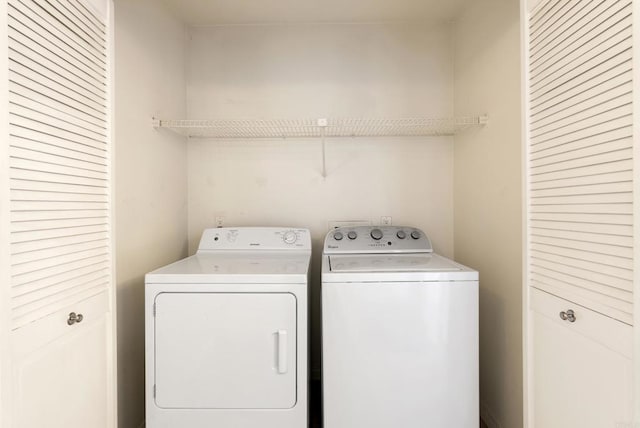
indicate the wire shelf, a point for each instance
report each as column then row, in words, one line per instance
column 316, row 128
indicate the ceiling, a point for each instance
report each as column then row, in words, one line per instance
column 229, row 12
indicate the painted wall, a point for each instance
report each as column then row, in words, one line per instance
column 151, row 176
column 488, row 195
column 311, row 71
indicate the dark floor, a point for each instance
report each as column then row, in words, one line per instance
column 315, row 404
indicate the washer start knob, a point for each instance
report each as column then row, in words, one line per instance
column 376, row 234
column 290, row 237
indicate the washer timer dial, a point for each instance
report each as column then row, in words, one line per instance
column 376, row 234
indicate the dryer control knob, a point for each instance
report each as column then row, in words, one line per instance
column 290, row 237
column 376, row 234
column 401, row 234
column 338, row 236
column 415, row 234
column 352, row 235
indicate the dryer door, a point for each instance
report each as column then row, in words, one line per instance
column 225, row 350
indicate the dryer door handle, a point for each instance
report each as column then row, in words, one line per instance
column 282, row 351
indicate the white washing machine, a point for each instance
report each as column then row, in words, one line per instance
column 399, row 332
column 226, row 332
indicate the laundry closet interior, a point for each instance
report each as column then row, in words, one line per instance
column 293, row 61
column 422, row 113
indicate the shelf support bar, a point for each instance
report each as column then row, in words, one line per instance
column 324, row 158
column 322, row 123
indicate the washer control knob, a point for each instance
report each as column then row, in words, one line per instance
column 401, row 234
column 352, row 235
column 376, row 234
column 338, row 236
column 415, row 234
column 290, row 237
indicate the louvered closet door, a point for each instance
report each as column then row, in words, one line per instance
column 580, row 154
column 60, row 219
column 59, row 157
column 580, row 180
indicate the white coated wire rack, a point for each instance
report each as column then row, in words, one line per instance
column 318, row 128
column 229, row 129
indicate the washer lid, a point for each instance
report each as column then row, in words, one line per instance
column 391, row 263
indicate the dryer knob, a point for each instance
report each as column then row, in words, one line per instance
column 290, row 237
column 415, row 234
column 401, row 234
column 338, row 236
column 352, row 235
column 376, row 234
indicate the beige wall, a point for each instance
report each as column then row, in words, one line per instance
column 311, row 71
column 151, row 186
column 488, row 195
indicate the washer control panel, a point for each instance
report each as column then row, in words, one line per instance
column 377, row 239
column 255, row 238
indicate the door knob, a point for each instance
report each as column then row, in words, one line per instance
column 74, row 318
column 569, row 315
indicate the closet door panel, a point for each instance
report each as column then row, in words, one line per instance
column 74, row 394
column 580, row 154
column 583, row 369
column 581, row 227
column 59, row 159
column 60, row 294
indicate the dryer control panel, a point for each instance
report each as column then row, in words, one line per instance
column 376, row 239
column 255, row 238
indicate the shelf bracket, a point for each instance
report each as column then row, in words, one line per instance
column 323, row 123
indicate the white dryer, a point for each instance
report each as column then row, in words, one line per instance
column 399, row 332
column 226, row 332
